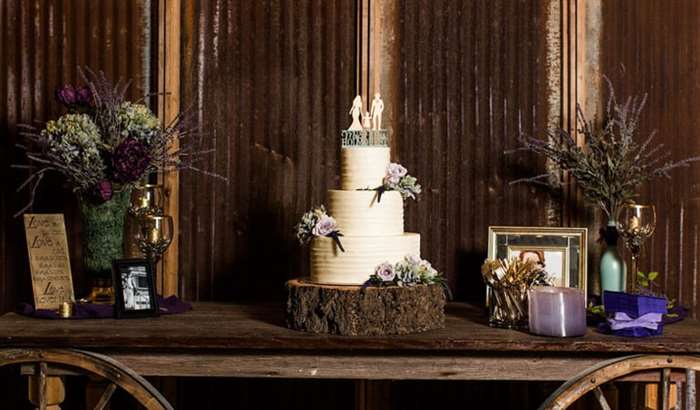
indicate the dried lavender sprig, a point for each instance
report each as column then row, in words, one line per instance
column 611, row 166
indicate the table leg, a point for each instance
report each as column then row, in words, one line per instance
column 372, row 394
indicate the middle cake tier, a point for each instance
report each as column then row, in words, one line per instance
column 329, row 265
column 361, row 213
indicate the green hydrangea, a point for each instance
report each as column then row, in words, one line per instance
column 138, row 121
column 74, row 141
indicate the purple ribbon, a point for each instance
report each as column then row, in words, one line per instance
column 622, row 320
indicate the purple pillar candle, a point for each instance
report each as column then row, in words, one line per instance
column 555, row 311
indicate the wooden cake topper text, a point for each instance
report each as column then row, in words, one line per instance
column 49, row 260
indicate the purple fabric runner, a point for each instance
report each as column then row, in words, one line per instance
column 168, row 306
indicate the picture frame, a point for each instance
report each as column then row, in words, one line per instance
column 562, row 251
column 134, row 288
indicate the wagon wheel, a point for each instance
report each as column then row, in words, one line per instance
column 86, row 363
column 592, row 378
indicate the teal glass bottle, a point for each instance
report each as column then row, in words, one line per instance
column 613, row 271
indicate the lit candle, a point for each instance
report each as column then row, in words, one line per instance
column 556, row 311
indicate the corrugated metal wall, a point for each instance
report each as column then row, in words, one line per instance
column 647, row 48
column 471, row 72
column 285, row 73
column 41, row 45
column 269, row 82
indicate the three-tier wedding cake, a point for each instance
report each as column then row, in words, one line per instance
column 370, row 218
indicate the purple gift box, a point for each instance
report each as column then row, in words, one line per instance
column 634, row 306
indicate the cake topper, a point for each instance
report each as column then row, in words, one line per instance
column 377, row 108
column 367, row 121
column 366, row 128
column 355, row 112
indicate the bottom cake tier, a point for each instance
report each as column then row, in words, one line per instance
column 329, row 265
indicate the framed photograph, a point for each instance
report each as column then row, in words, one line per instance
column 561, row 252
column 134, row 288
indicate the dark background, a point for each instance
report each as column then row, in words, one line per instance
column 270, row 82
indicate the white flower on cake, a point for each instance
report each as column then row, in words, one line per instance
column 385, row 272
column 394, row 173
column 317, row 223
column 410, row 271
column 325, row 226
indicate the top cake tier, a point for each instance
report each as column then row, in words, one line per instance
column 363, row 167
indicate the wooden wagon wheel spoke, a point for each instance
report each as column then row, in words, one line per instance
column 598, row 392
column 43, row 397
column 591, row 379
column 106, row 395
column 664, row 387
column 89, row 363
column 690, row 389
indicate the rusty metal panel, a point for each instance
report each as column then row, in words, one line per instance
column 647, row 48
column 471, row 74
column 269, row 82
column 42, row 42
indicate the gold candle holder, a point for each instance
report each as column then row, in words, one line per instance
column 146, row 199
column 65, row 310
column 154, row 236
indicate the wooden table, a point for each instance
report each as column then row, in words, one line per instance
column 226, row 340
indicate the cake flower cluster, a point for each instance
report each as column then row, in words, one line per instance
column 315, row 223
column 409, row 271
column 397, row 179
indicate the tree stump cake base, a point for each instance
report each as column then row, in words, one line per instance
column 358, row 311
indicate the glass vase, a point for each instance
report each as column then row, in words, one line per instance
column 102, row 242
column 508, row 307
column 613, row 270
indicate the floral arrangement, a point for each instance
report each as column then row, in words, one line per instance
column 611, row 165
column 409, row 271
column 317, row 222
column 397, row 179
column 104, row 144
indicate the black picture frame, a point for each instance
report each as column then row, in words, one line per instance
column 143, row 301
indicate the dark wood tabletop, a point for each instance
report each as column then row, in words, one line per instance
column 255, row 327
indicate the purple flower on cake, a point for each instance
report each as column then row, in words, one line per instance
column 325, row 226
column 397, row 179
column 394, row 173
column 385, row 272
column 130, row 160
column 409, row 271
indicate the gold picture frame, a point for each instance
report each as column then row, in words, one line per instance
column 562, row 251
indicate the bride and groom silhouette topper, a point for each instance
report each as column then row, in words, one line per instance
column 371, row 120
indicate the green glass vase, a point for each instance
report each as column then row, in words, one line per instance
column 613, row 270
column 103, row 241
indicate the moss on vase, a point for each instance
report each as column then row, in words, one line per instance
column 103, row 234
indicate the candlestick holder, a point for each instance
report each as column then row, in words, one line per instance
column 154, row 236
column 146, row 199
column 635, row 224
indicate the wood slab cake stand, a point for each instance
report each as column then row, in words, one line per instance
column 364, row 311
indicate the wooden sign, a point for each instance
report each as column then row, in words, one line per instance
column 49, row 260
